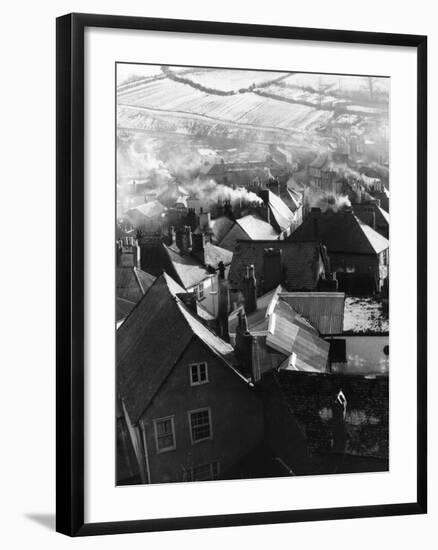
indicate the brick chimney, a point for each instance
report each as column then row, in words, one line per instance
column 128, row 252
column 243, row 345
column 184, row 239
column 198, row 242
column 223, row 307
column 250, row 289
column 272, row 268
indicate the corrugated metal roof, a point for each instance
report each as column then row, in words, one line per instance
column 324, row 310
column 290, row 335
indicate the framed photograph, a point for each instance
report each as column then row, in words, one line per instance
column 241, row 274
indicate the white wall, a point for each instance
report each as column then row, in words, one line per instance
column 28, row 326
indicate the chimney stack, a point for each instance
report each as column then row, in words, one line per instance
column 223, row 309
column 243, row 345
column 250, row 289
column 198, row 240
column 128, row 252
column 184, row 239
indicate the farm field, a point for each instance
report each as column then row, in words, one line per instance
column 246, row 108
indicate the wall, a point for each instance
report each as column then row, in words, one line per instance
column 365, row 355
column 28, row 490
column 231, row 401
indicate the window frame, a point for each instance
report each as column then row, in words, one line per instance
column 210, row 423
column 213, row 477
column 172, row 424
column 200, row 291
column 200, row 382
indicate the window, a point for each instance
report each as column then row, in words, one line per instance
column 205, row 472
column 198, row 374
column 200, row 425
column 165, row 434
column 200, row 291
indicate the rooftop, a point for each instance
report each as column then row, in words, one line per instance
column 341, row 232
column 151, row 341
column 365, row 316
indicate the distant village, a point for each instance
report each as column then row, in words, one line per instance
column 252, row 317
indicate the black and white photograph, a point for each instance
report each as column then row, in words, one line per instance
column 252, row 250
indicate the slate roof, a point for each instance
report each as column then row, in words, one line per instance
column 188, row 269
column 341, row 232
column 132, row 283
column 302, row 262
column 256, row 228
column 151, row 341
column 248, row 227
column 220, row 227
column 324, row 310
column 280, row 212
column 151, row 209
column 212, row 255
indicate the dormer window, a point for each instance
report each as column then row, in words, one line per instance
column 200, row 291
column 198, row 374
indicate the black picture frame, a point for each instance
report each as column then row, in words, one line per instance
column 70, row 273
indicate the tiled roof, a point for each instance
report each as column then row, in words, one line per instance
column 324, row 310
column 151, row 341
column 341, row 232
column 301, row 260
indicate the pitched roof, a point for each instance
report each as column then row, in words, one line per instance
column 220, row 227
column 282, row 215
column 324, row 310
column 151, row 341
column 248, row 227
column 341, row 232
column 151, row 209
column 256, row 228
column 212, row 255
column 132, row 283
column 302, row 262
column 188, row 269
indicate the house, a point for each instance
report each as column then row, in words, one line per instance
column 358, row 254
column 373, row 215
column 147, row 215
column 190, row 260
column 295, row 265
column 131, row 282
column 279, row 215
column 363, row 345
column 251, row 227
column 356, row 328
column 180, row 390
column 281, row 338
